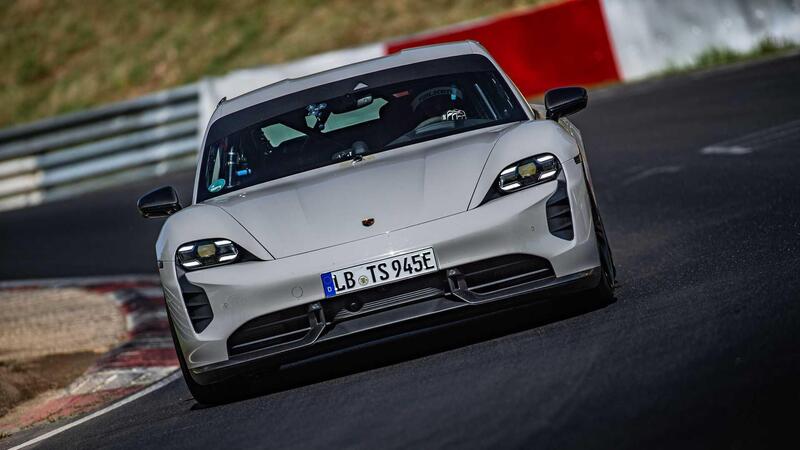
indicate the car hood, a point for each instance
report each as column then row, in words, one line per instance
column 396, row 188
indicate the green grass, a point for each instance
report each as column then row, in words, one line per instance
column 64, row 55
column 718, row 56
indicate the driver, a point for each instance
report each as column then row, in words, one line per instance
column 437, row 104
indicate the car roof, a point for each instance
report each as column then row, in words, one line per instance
column 290, row 85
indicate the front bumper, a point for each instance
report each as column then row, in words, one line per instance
column 514, row 224
column 326, row 331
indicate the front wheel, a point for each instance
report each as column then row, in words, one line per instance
column 209, row 394
column 605, row 287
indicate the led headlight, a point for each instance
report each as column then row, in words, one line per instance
column 528, row 172
column 207, row 253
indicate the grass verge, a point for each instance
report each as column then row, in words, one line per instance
column 65, row 55
column 718, row 56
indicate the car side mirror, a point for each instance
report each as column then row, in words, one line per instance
column 565, row 101
column 159, row 203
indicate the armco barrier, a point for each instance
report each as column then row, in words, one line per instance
column 89, row 150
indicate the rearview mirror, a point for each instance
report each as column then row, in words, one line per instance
column 159, row 203
column 565, row 101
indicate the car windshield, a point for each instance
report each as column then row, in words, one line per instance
column 364, row 119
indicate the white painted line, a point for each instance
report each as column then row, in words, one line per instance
column 661, row 170
column 725, row 150
column 788, row 132
column 169, row 379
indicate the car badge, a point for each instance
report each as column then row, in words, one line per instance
column 368, row 222
column 360, row 86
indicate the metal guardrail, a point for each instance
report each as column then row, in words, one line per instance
column 89, row 150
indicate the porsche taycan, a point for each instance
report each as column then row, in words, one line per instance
column 353, row 202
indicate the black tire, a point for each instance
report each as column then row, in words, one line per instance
column 605, row 287
column 608, row 276
column 209, row 394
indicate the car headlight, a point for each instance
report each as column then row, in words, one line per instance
column 207, row 253
column 523, row 174
column 528, row 172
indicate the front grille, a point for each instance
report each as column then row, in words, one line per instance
column 197, row 304
column 503, row 272
column 270, row 330
column 385, row 296
column 559, row 215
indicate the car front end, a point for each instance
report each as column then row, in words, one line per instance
column 494, row 251
column 361, row 201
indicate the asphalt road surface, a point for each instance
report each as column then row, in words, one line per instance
column 697, row 178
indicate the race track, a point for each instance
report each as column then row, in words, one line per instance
column 700, row 350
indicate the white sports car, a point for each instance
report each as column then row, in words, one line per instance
column 351, row 203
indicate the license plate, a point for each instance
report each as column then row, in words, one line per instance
column 380, row 272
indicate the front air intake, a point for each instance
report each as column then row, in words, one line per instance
column 197, row 304
column 559, row 214
column 496, row 274
column 383, row 297
column 271, row 330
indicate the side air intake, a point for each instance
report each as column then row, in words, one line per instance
column 197, row 304
column 559, row 214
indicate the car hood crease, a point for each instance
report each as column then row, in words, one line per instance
column 397, row 188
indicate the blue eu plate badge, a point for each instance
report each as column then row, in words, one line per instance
column 327, row 285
